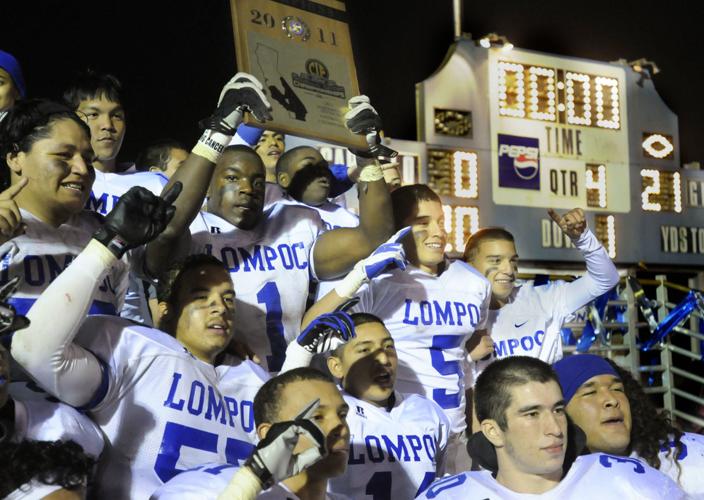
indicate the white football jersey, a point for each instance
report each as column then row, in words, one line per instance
column 431, row 318
column 271, row 267
column 107, row 189
column 42, row 420
column 599, row 475
column 44, row 251
column 207, row 481
column 393, row 454
column 690, row 473
column 162, row 410
column 333, row 216
column 528, row 325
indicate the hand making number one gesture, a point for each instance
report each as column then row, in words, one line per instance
column 10, row 218
column 573, row 223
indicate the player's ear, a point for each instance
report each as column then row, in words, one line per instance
column 335, row 367
column 283, row 179
column 14, row 161
column 263, row 430
column 491, row 430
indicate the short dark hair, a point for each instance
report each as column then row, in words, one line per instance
column 27, row 122
column 487, row 233
column 241, row 148
column 49, row 462
column 283, row 164
column 157, row 154
column 492, row 392
column 169, row 282
column 405, row 200
column 90, row 84
column 358, row 319
column 267, row 401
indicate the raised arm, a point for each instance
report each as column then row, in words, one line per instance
column 46, row 349
column 338, row 250
column 601, row 275
column 242, row 93
column 388, row 255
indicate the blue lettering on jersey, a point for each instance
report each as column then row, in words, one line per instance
column 201, row 399
column 401, row 448
column 100, row 204
column 443, row 484
column 440, row 313
column 507, row 347
column 606, row 460
column 262, row 257
column 671, row 444
column 41, row 270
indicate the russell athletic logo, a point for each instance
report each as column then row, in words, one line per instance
column 519, row 162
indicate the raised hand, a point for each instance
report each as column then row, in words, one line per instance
column 327, row 332
column 387, row 256
column 243, row 93
column 10, row 218
column 363, row 119
column 573, row 223
column 138, row 217
column 273, row 460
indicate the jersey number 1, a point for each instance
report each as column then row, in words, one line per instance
column 270, row 297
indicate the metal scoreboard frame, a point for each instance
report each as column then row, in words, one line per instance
column 504, row 135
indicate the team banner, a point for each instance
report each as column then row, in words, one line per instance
column 301, row 52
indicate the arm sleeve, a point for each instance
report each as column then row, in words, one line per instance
column 46, row 349
column 601, row 275
column 341, row 183
column 247, row 135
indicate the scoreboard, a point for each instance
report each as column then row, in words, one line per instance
column 504, row 135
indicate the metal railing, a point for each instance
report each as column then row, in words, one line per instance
column 671, row 371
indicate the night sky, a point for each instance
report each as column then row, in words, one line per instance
column 173, row 58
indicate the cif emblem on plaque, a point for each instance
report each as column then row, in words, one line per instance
column 295, row 27
column 316, row 78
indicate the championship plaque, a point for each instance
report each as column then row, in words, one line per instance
column 301, row 52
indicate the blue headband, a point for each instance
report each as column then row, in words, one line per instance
column 10, row 64
column 573, row 371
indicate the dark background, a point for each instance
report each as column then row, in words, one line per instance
column 173, row 57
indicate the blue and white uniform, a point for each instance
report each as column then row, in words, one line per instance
column 599, row 475
column 690, row 473
column 530, row 323
column 107, row 189
column 209, row 480
column 161, row 409
column 396, row 453
column 430, row 319
column 271, row 268
column 44, row 251
column 37, row 418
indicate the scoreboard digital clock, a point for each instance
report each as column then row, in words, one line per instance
column 504, row 135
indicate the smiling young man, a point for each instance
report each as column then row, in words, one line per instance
column 525, row 319
column 281, row 400
column 523, row 445
column 430, row 309
column 397, row 441
column 619, row 418
column 272, row 252
column 270, row 147
column 158, row 396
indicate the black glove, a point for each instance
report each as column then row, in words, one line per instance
column 362, row 119
column 138, row 217
column 327, row 332
column 10, row 321
column 241, row 94
column 273, row 460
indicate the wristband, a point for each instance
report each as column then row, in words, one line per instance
column 112, row 241
column 347, row 287
column 371, row 173
column 243, row 485
column 257, row 467
column 211, row 145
